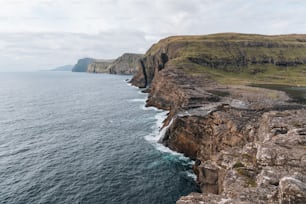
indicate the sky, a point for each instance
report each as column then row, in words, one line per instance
column 44, row 34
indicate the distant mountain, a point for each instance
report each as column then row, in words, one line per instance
column 82, row 65
column 63, row 68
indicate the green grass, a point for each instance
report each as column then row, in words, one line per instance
column 230, row 57
column 272, row 74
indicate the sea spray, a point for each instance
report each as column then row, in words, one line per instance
column 142, row 100
column 82, row 143
column 158, row 133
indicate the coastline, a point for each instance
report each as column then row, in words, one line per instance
column 251, row 165
column 247, row 143
column 159, row 130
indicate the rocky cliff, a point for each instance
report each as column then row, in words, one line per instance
column 228, row 57
column 99, row 66
column 125, row 64
column 82, row 64
column 248, row 143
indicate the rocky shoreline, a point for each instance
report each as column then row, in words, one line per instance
column 249, row 144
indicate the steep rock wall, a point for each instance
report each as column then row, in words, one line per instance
column 229, row 131
column 99, row 66
column 125, row 64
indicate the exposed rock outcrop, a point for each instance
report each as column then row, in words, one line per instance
column 248, row 143
column 245, row 156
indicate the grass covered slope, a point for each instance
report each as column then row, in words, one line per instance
column 245, row 141
column 233, row 58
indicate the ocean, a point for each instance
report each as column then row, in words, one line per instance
column 84, row 138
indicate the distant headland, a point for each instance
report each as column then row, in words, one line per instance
column 248, row 143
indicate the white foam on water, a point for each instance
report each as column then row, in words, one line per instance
column 141, row 93
column 191, row 175
column 143, row 107
column 158, row 133
column 142, row 100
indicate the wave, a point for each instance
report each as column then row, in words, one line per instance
column 130, row 85
column 156, row 136
column 143, row 100
column 144, row 107
column 159, row 132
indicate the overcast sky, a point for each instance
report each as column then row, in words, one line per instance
column 42, row 34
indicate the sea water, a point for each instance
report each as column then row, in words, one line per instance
column 84, row 138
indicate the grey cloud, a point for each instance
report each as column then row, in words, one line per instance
column 30, row 51
column 45, row 33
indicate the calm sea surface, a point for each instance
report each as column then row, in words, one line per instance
column 83, row 138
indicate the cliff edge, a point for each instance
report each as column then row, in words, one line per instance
column 248, row 143
column 99, row 66
column 82, row 64
column 125, row 65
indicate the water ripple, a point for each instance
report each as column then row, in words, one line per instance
column 69, row 138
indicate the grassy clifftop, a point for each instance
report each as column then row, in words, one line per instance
column 233, row 58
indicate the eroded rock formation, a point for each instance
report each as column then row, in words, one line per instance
column 248, row 143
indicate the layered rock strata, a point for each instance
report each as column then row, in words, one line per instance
column 249, row 144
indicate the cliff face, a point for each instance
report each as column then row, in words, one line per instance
column 269, row 59
column 99, row 66
column 82, row 65
column 125, row 64
column 259, row 159
column 248, row 143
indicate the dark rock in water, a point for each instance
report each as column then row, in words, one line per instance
column 146, row 90
column 82, row 65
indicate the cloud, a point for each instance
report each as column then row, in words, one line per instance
column 42, row 33
column 33, row 51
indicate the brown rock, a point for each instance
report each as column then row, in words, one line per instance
column 292, row 190
column 247, row 142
